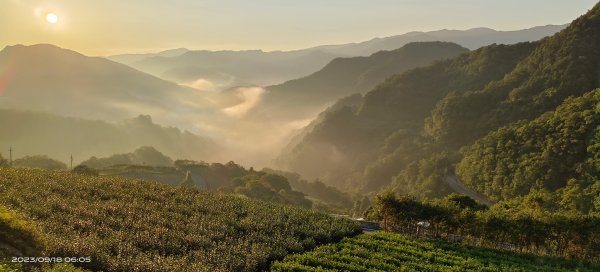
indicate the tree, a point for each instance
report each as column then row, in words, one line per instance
column 276, row 182
column 85, row 170
column 464, row 202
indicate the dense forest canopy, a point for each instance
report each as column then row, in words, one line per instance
column 348, row 139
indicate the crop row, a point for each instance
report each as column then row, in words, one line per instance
column 394, row 252
column 129, row 225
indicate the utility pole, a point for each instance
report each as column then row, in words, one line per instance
column 71, row 162
column 10, row 150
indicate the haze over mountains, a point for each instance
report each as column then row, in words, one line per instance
column 30, row 133
column 132, row 58
column 302, row 98
column 218, row 70
column 517, row 121
column 51, row 79
column 249, row 124
column 471, row 38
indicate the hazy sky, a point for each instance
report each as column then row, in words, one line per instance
column 106, row 27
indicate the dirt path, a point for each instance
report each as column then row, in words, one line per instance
column 456, row 185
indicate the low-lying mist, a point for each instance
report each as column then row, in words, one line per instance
column 51, row 95
column 242, row 136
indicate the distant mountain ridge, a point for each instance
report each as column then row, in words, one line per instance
column 225, row 69
column 48, row 78
column 131, row 58
column 35, row 133
column 472, row 39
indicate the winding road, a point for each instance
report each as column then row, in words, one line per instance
column 454, row 183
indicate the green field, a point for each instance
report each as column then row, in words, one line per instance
column 132, row 225
column 394, row 252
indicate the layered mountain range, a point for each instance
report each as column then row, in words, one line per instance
column 247, row 124
column 514, row 120
column 219, row 70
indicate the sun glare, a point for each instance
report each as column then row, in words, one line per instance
column 52, row 18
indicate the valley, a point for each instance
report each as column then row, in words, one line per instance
column 461, row 150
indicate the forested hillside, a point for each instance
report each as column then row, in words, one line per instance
column 408, row 131
column 300, row 98
column 556, row 152
column 149, row 164
column 145, row 155
column 566, row 64
column 348, row 138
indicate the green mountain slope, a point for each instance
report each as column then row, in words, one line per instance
column 346, row 76
column 145, row 155
column 556, row 151
column 565, row 64
column 351, row 136
column 148, row 164
column 410, row 128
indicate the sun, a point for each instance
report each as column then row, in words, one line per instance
column 52, row 18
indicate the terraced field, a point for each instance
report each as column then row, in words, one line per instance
column 132, row 225
column 394, row 252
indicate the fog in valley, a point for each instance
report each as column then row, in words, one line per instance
column 242, row 106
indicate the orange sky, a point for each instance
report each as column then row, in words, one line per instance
column 109, row 26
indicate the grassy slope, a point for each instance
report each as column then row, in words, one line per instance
column 130, row 225
column 18, row 237
column 394, row 252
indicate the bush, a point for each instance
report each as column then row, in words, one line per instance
column 85, row 170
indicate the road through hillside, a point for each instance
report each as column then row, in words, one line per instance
column 456, row 185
